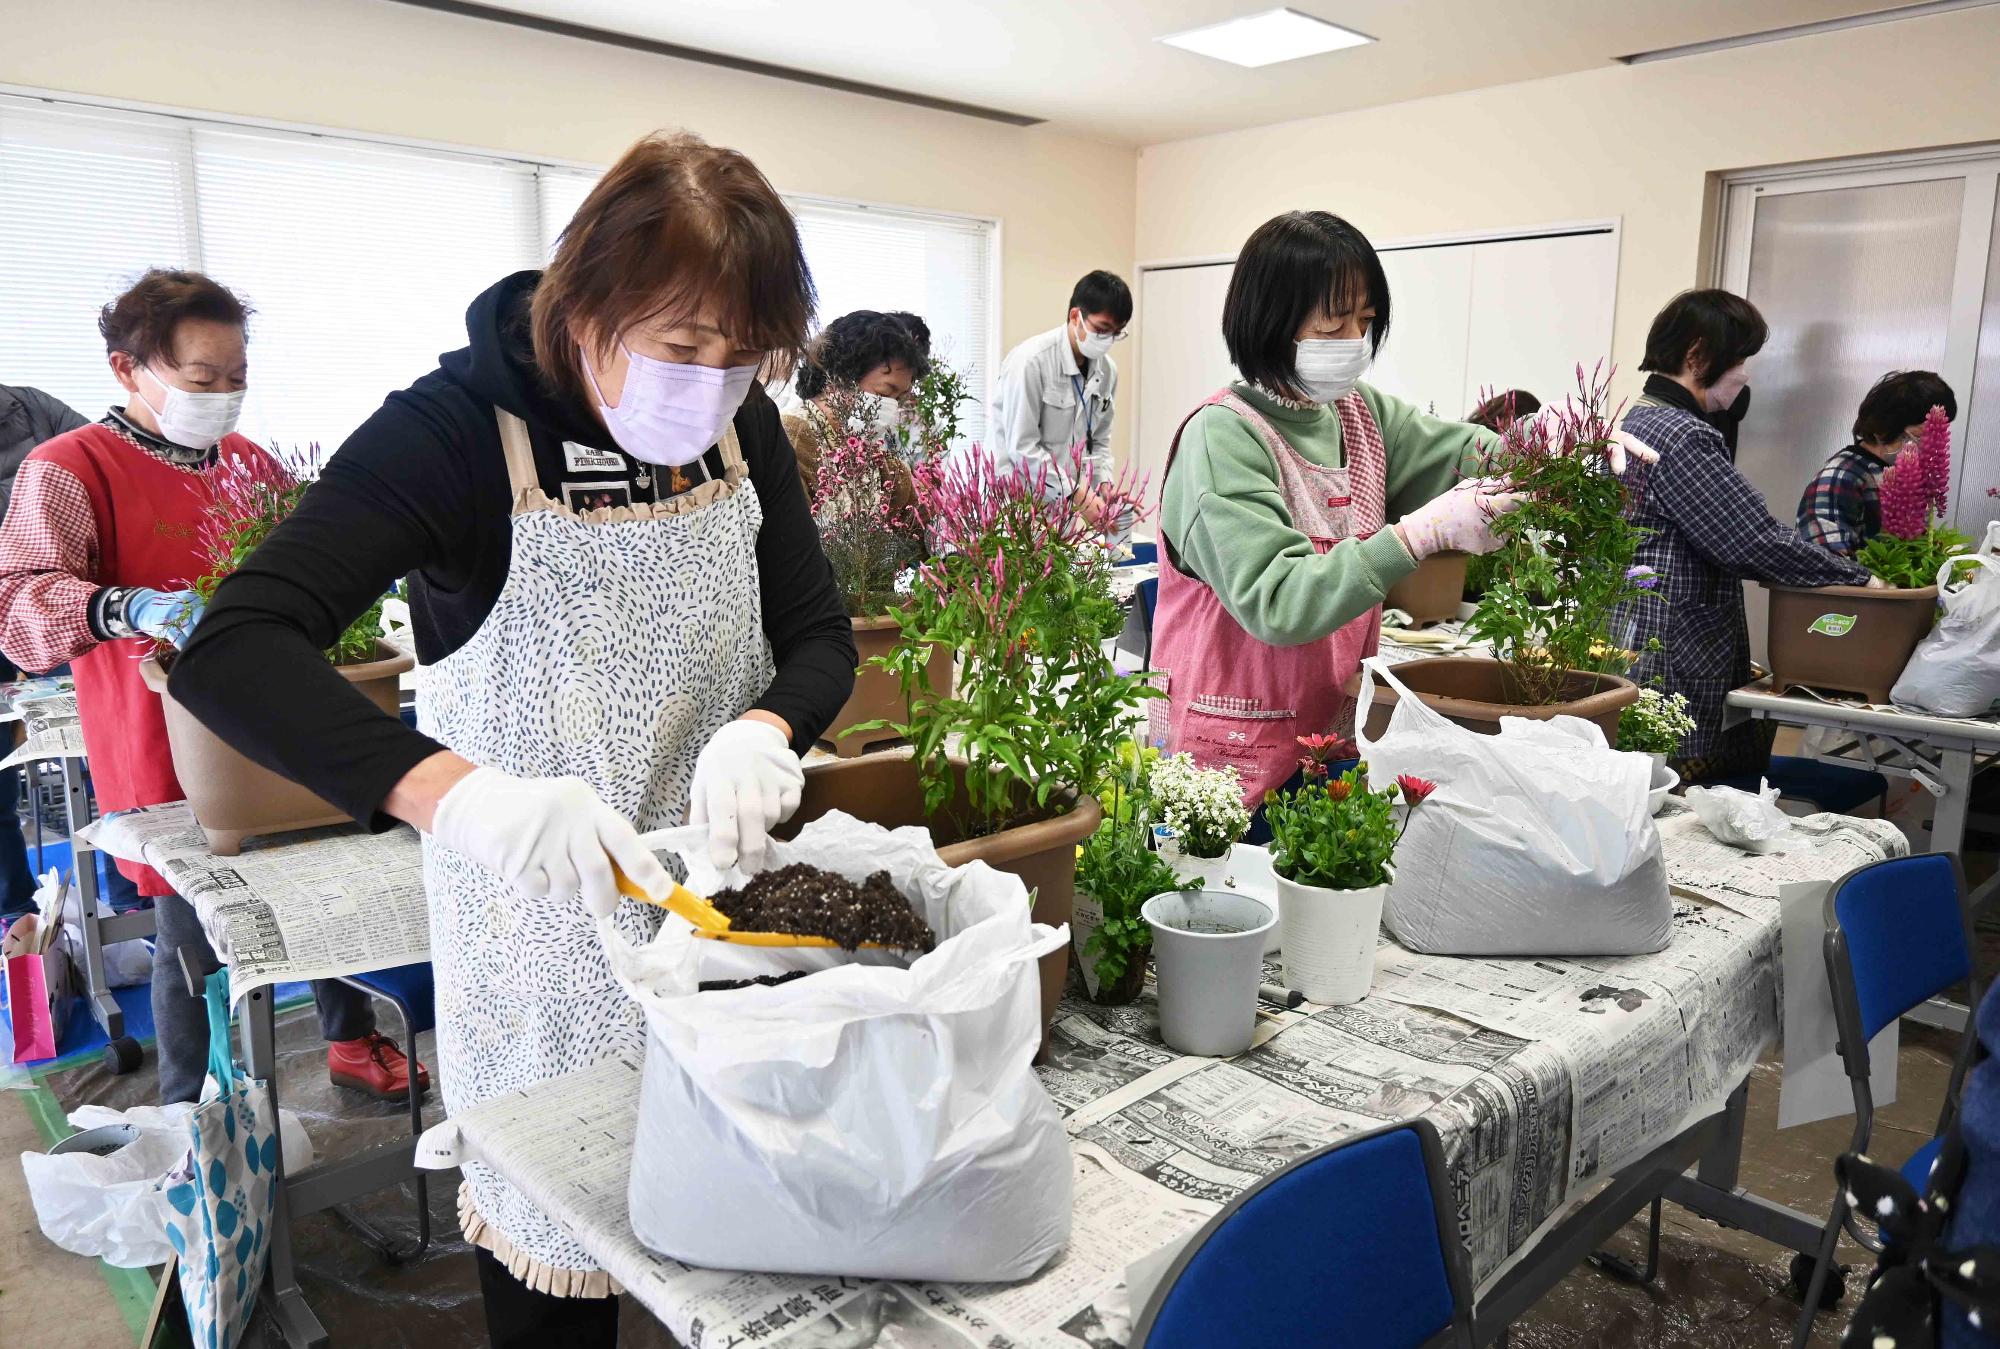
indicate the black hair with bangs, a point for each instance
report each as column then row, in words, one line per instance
column 1292, row 267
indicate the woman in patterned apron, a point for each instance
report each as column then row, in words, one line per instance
column 627, row 621
column 1274, row 559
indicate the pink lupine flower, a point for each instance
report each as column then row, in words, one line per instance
column 1905, row 496
column 1935, row 447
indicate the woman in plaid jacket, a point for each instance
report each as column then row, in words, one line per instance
column 1710, row 530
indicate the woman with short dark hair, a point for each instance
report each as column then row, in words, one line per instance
column 592, row 670
column 1294, row 498
column 101, row 540
column 1842, row 506
column 1708, row 530
column 856, row 379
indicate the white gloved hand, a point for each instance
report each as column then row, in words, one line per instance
column 1460, row 520
column 1625, row 445
column 548, row 837
column 746, row 779
column 1877, row 583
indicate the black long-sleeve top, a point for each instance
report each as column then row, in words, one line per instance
column 420, row 490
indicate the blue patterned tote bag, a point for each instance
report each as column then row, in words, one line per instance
column 222, row 1199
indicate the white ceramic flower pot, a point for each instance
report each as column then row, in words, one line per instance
column 1329, row 939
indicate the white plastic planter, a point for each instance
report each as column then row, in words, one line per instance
column 1208, row 958
column 1329, row 939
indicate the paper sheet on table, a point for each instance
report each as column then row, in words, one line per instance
column 309, row 905
column 50, row 722
column 1815, row 1083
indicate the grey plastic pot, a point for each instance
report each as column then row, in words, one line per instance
column 1208, row 957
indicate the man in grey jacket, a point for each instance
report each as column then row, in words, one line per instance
column 27, row 418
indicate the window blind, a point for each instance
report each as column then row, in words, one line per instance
column 360, row 260
column 359, row 257
column 88, row 201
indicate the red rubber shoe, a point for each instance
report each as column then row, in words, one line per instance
column 374, row 1066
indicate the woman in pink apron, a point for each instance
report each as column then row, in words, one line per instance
column 1274, row 559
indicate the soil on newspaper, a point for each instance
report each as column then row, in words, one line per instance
column 806, row 901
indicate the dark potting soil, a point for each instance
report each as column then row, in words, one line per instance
column 806, row 901
column 761, row 981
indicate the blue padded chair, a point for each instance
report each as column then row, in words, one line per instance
column 409, row 989
column 1354, row 1244
column 1828, row 786
column 1898, row 933
column 1145, row 553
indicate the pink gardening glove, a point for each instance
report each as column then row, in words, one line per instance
column 1459, row 521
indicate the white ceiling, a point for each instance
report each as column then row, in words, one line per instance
column 1093, row 67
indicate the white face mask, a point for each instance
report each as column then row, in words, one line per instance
column 193, row 421
column 1091, row 343
column 670, row 414
column 1329, row 367
column 885, row 413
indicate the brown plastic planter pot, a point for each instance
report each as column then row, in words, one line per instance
column 1846, row 639
column 1474, row 691
column 1432, row 592
column 878, row 695
column 884, row 789
column 234, row 798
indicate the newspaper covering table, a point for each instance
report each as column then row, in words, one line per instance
column 47, row 710
column 308, row 905
column 1543, row 1076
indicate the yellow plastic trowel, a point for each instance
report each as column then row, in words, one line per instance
column 712, row 924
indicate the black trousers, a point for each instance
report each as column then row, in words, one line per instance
column 517, row 1317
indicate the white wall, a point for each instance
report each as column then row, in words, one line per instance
column 1637, row 143
column 1065, row 203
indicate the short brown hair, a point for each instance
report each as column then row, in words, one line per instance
column 675, row 222
column 141, row 322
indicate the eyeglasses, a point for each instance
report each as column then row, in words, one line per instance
column 1119, row 336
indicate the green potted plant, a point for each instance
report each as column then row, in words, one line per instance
column 1563, row 569
column 873, row 535
column 1333, row 847
column 1117, row 871
column 1002, row 764
column 232, row 797
column 1198, row 817
column 1655, row 725
column 1855, row 639
column 934, row 404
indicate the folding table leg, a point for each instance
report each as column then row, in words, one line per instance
column 296, row 1322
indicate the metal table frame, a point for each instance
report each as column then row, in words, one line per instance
column 1696, row 1169
column 123, row 1052
column 1941, row 754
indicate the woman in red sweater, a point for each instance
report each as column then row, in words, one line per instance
column 100, row 542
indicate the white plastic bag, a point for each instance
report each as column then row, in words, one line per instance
column 1955, row 670
column 116, row 1206
column 111, row 1206
column 872, row 1121
column 1752, row 821
column 1537, row 841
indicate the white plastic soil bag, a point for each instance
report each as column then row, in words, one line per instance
column 871, row 1121
column 1955, row 670
column 1537, row 841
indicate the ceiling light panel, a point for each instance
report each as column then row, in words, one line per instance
column 1267, row 38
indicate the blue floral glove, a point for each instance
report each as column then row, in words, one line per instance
column 169, row 615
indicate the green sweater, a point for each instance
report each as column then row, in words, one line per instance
column 1222, row 509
